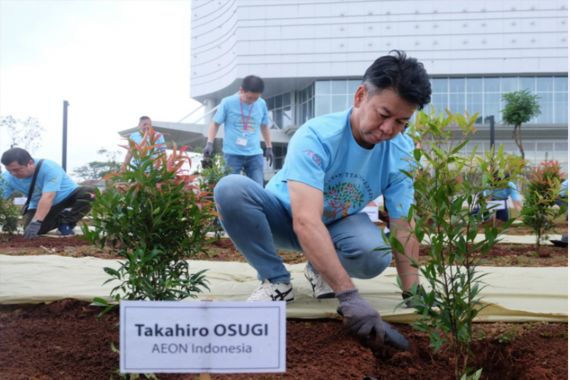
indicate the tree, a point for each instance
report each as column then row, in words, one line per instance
column 521, row 107
column 24, row 133
column 98, row 169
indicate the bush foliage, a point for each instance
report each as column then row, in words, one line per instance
column 541, row 197
column 448, row 188
column 154, row 215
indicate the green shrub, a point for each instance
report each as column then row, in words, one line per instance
column 9, row 214
column 539, row 209
column 212, row 171
column 154, row 215
column 448, row 185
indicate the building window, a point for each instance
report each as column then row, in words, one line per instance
column 484, row 95
column 334, row 95
column 281, row 110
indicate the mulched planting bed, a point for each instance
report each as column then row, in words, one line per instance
column 224, row 250
column 66, row 339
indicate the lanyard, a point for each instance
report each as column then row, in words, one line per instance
column 245, row 122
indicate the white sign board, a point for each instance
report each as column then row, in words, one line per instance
column 496, row 205
column 202, row 336
column 20, row 201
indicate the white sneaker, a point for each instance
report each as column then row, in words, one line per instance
column 320, row 288
column 268, row 291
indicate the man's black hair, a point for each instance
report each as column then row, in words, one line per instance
column 16, row 154
column 405, row 75
column 143, row 118
column 252, row 83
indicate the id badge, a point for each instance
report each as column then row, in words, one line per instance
column 241, row 141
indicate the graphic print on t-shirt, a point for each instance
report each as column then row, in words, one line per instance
column 345, row 194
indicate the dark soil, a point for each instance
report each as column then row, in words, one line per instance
column 66, row 339
column 223, row 250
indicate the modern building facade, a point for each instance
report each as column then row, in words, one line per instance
column 312, row 54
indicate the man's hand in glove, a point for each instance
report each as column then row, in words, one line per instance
column 365, row 322
column 209, row 149
column 32, row 230
column 269, row 155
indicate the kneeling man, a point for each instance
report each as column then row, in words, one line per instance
column 56, row 200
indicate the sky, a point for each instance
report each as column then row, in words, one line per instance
column 112, row 60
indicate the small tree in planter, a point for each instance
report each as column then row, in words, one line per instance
column 9, row 214
column 212, row 171
column 154, row 216
column 446, row 197
column 539, row 209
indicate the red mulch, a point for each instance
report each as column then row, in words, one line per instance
column 66, row 340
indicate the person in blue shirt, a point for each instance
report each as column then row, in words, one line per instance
column 142, row 134
column 503, row 195
column 244, row 116
column 335, row 165
column 563, row 201
column 56, row 201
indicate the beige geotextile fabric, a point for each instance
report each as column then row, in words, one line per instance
column 512, row 294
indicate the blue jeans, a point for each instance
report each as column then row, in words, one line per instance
column 259, row 224
column 251, row 165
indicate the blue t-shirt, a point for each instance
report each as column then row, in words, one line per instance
column 324, row 154
column 564, row 189
column 51, row 178
column 233, row 113
column 504, row 194
column 137, row 137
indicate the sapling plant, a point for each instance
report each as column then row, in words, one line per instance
column 541, row 197
column 213, row 169
column 153, row 214
column 448, row 185
column 9, row 213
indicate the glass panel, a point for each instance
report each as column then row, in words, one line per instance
column 439, row 101
column 544, row 146
column 561, row 107
column 545, row 102
column 544, row 84
column 491, row 84
column 475, row 103
column 457, row 85
column 339, row 87
column 439, row 85
column 527, row 83
column 270, row 103
column 322, row 105
column 278, row 100
column 509, row 84
column 353, row 85
column 323, row 87
column 510, row 147
column 474, row 84
column 338, row 103
column 561, row 84
column 286, row 99
column 493, row 106
column 457, row 102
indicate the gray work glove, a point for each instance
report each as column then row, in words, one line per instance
column 32, row 230
column 269, row 155
column 365, row 322
column 209, row 149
